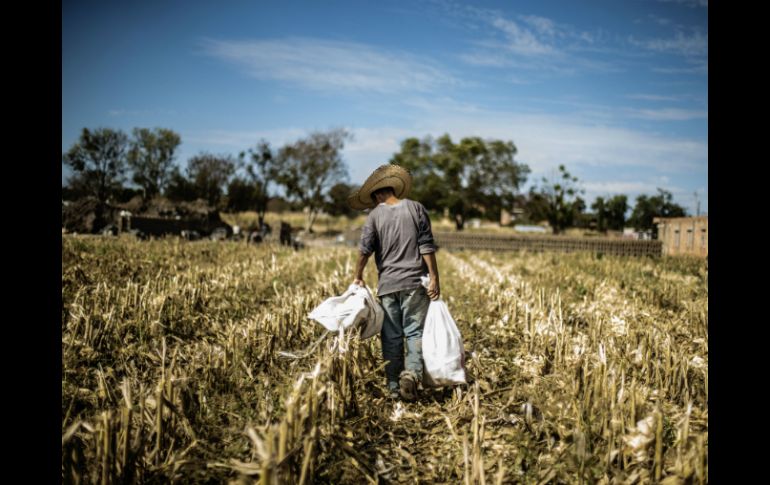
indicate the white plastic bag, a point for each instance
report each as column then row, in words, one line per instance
column 442, row 346
column 355, row 307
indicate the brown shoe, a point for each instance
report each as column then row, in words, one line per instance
column 408, row 386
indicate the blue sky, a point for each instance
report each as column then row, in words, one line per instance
column 615, row 90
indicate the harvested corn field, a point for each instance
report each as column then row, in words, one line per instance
column 195, row 363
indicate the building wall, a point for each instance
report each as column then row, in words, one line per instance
column 684, row 235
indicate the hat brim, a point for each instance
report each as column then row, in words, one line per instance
column 385, row 176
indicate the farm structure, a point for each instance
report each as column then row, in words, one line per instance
column 684, row 235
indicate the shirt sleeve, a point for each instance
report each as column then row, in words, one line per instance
column 424, row 231
column 368, row 237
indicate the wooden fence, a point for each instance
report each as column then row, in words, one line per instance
column 515, row 242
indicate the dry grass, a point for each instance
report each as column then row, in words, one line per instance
column 174, row 364
column 324, row 222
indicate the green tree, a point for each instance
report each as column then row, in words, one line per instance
column 151, row 158
column 180, row 188
column 616, row 209
column 241, row 195
column 600, row 213
column 472, row 177
column 610, row 213
column 309, row 167
column 209, row 175
column 98, row 160
column 561, row 201
column 579, row 217
column 337, row 202
column 648, row 208
column 427, row 180
column 535, row 207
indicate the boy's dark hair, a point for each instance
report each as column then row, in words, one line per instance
column 383, row 190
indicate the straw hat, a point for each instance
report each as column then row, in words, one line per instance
column 385, row 176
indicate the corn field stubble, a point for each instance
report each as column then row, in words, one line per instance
column 195, row 363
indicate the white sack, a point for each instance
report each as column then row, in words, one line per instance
column 442, row 347
column 355, row 307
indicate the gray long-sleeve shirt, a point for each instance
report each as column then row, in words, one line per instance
column 398, row 235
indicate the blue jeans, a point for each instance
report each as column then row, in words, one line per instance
column 405, row 313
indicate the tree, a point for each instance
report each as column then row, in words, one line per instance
column 647, row 208
column 427, row 180
column 600, row 212
column 610, row 213
column 308, row 167
column 500, row 177
column 209, row 175
column 579, row 217
column 261, row 168
column 241, row 195
column 616, row 209
column 561, row 203
column 536, row 207
column 98, row 159
column 179, row 188
column 151, row 157
column 125, row 194
column 473, row 177
column 337, row 203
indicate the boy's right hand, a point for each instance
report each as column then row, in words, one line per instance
column 434, row 289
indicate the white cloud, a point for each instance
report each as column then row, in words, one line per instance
column 698, row 68
column 522, row 41
column 668, row 114
column 241, row 140
column 499, row 55
column 695, row 45
column 332, row 65
column 116, row 113
column 537, row 45
column 541, row 24
column 613, row 187
column 491, row 59
column 545, row 141
column 444, row 104
column 587, row 37
column 689, row 3
column 122, row 112
column 652, row 18
column 653, row 97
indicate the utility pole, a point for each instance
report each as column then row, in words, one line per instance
column 697, row 204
